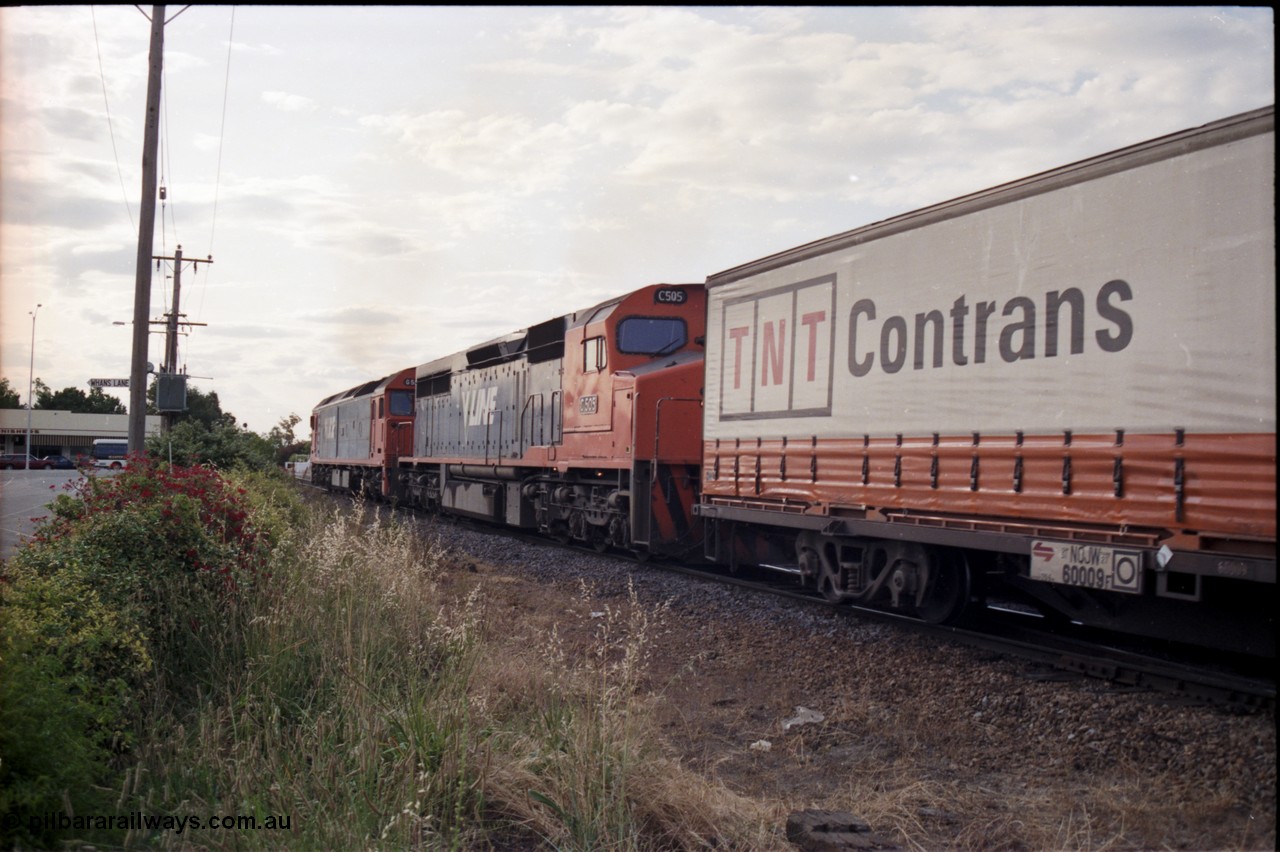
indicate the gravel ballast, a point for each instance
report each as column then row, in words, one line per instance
column 932, row 745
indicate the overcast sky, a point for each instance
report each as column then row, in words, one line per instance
column 382, row 186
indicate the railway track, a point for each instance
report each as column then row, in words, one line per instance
column 1246, row 684
column 1235, row 683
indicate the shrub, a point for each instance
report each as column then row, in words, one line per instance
column 69, row 670
column 127, row 599
column 223, row 445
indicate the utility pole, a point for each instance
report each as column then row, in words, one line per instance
column 146, row 235
column 169, row 368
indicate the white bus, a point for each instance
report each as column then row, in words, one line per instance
column 110, row 452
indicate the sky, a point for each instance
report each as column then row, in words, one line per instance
column 382, row 186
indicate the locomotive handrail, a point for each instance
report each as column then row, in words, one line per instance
column 528, row 402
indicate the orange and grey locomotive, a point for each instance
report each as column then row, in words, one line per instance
column 358, row 435
column 585, row 427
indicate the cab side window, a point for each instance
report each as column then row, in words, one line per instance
column 594, row 355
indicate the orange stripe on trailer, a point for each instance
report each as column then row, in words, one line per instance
column 1214, row 486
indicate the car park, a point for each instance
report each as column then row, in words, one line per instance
column 22, row 461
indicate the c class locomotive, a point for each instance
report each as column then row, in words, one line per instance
column 1061, row 389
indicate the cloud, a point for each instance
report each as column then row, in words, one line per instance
column 355, row 317
column 289, row 103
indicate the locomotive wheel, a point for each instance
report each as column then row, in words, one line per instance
column 946, row 592
column 559, row 531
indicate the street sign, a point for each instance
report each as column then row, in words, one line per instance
column 108, row 383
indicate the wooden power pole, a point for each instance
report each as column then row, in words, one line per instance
column 146, row 234
column 171, row 386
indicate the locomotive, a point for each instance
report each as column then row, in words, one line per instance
column 358, row 435
column 585, row 427
column 1059, row 391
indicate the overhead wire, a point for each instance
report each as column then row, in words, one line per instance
column 165, row 156
column 222, row 130
column 217, row 181
column 124, row 194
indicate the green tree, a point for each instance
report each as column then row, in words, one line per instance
column 285, row 441
column 77, row 401
column 223, row 445
column 202, row 407
column 8, row 396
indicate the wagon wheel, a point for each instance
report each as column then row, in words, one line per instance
column 829, row 582
column 945, row 590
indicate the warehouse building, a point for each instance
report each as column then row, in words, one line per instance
column 63, row 432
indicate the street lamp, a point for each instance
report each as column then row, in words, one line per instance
column 31, row 377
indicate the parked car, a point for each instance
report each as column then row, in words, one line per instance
column 22, row 461
column 60, row 463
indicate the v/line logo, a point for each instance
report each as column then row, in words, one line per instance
column 478, row 405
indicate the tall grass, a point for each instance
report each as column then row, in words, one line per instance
column 376, row 709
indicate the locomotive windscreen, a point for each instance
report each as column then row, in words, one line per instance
column 651, row 335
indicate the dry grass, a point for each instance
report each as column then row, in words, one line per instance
column 394, row 699
column 380, row 708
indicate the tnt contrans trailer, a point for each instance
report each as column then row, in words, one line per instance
column 1067, row 382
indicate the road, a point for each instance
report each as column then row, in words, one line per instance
column 25, row 494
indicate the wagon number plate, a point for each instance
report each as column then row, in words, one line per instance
column 1092, row 566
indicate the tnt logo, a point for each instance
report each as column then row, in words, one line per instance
column 777, row 351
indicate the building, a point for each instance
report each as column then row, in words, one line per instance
column 63, row 432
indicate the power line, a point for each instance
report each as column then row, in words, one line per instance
column 110, row 129
column 222, row 129
column 222, row 141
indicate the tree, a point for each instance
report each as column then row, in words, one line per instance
column 284, row 440
column 77, row 401
column 205, row 434
column 281, row 434
column 8, row 396
column 222, row 445
column 202, row 408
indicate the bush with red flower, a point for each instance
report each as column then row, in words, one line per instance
column 130, row 596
